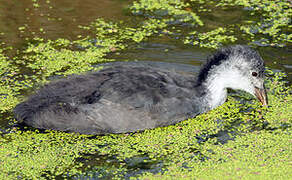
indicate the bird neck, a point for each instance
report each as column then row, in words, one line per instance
column 216, row 85
column 216, row 93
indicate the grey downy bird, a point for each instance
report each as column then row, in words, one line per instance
column 122, row 99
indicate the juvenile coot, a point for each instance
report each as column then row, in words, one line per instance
column 121, row 99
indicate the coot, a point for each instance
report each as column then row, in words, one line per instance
column 122, row 99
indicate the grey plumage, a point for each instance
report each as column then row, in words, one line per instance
column 122, row 99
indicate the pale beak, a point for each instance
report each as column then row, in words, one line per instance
column 261, row 95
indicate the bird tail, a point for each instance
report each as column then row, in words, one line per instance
column 24, row 113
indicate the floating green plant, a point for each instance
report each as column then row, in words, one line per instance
column 11, row 82
column 275, row 17
column 174, row 11
column 212, row 39
column 235, row 140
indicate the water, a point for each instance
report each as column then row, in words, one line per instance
column 60, row 19
column 22, row 20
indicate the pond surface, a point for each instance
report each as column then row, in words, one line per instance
column 20, row 21
column 58, row 19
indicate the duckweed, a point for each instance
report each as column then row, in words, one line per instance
column 175, row 11
column 211, row 39
column 266, row 25
column 8, row 101
column 10, row 83
column 275, row 18
column 240, row 139
column 234, row 140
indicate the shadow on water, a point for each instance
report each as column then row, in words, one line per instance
column 163, row 51
column 104, row 167
column 98, row 166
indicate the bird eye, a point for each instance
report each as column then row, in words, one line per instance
column 254, row 74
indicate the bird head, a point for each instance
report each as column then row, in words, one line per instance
column 249, row 65
column 236, row 67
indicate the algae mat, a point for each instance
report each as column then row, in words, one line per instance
column 240, row 139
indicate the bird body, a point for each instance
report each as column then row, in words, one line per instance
column 123, row 99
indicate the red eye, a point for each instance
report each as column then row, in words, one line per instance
column 254, row 74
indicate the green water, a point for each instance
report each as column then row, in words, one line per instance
column 43, row 39
column 61, row 19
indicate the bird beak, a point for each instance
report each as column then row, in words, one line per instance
column 261, row 95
